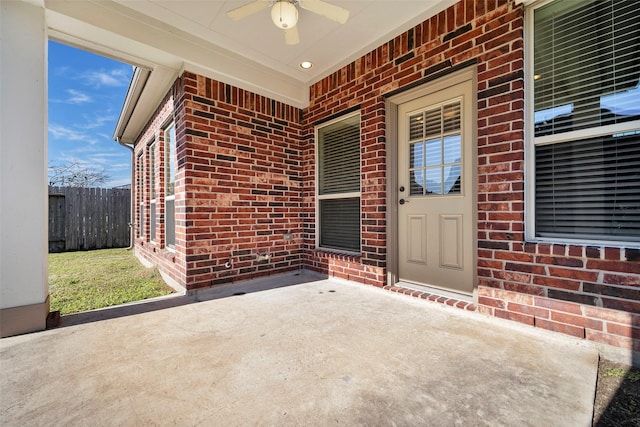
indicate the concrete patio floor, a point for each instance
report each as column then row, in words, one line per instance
column 316, row 353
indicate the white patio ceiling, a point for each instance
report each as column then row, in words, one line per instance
column 169, row 36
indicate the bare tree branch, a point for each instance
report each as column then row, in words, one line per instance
column 73, row 173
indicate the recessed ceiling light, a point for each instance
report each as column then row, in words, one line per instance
column 305, row 65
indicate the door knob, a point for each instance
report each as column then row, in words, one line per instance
column 403, row 201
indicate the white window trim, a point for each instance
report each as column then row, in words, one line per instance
column 334, row 196
column 531, row 142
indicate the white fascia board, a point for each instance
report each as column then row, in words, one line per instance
column 143, row 104
column 37, row 3
column 77, row 33
column 134, row 92
column 148, row 37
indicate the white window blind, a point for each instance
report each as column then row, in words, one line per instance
column 340, row 224
column 589, row 189
column 339, row 157
column 586, row 70
column 586, row 65
column 339, row 184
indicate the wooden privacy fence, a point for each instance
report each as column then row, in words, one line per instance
column 88, row 218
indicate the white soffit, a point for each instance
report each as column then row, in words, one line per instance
column 168, row 37
column 198, row 36
column 109, row 28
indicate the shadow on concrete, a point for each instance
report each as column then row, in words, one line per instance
column 206, row 294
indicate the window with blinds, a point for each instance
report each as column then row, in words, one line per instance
column 586, row 133
column 338, row 184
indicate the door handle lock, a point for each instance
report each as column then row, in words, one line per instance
column 403, row 201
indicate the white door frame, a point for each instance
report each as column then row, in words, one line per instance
column 391, row 107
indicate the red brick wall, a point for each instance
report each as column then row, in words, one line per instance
column 247, row 176
column 170, row 263
column 238, row 184
column 488, row 32
column 241, row 160
column 583, row 291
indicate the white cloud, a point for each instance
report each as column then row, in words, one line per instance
column 63, row 132
column 77, row 97
column 112, row 78
column 97, row 122
column 72, row 134
column 106, row 162
column 61, row 71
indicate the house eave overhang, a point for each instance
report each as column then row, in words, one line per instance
column 136, row 87
column 146, row 90
column 108, row 28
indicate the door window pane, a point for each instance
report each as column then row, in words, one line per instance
column 433, row 152
column 434, row 181
column 416, row 186
column 451, row 115
column 433, row 120
column 435, row 165
column 416, row 155
column 416, row 123
column 451, row 179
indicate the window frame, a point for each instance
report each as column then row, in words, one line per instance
column 153, row 196
column 335, row 196
column 140, row 192
column 168, row 163
column 531, row 142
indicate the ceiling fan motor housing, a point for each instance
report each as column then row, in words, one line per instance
column 284, row 14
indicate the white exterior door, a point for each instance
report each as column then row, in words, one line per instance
column 435, row 185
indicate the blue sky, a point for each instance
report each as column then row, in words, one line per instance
column 86, row 92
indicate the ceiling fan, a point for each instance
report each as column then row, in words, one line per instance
column 284, row 14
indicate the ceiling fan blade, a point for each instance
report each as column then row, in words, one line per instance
column 291, row 36
column 328, row 10
column 247, row 9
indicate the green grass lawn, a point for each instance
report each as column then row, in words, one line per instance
column 81, row 281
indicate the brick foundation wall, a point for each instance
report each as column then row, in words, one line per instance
column 584, row 291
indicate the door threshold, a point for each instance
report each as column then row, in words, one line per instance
column 436, row 291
